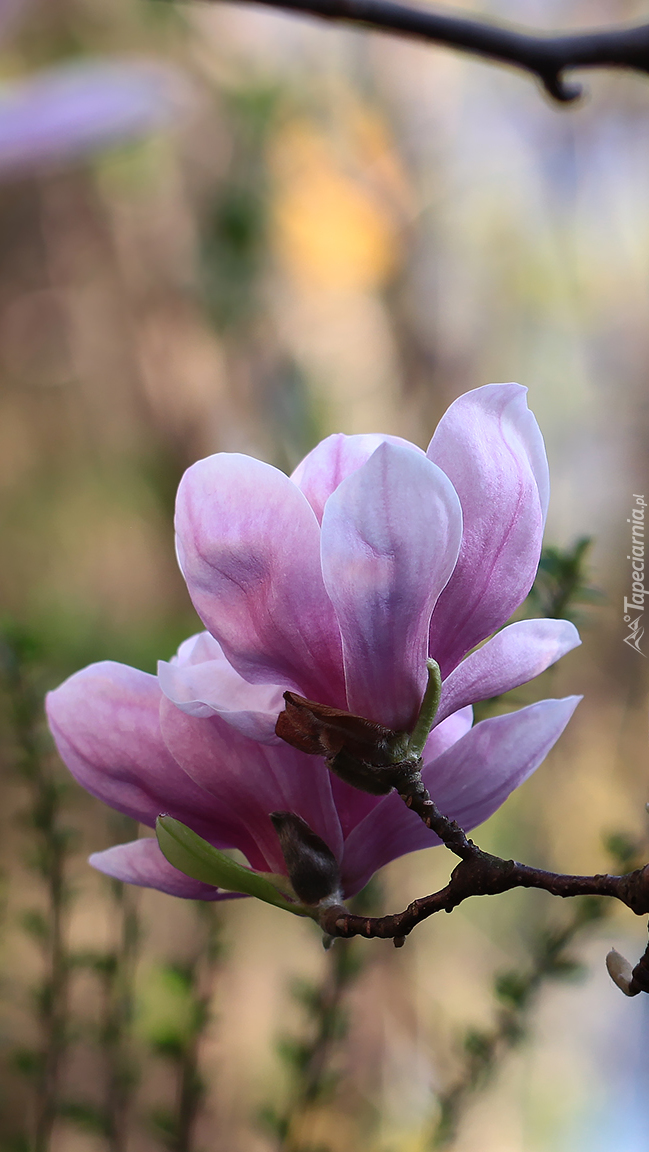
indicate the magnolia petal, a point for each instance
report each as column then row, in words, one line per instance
column 472, row 779
column 468, row 782
column 250, row 780
column 447, row 732
column 141, row 862
column 490, row 446
column 390, row 538
column 249, row 548
column 64, row 112
column 106, row 724
column 517, row 654
column 327, row 465
column 197, row 649
column 212, row 687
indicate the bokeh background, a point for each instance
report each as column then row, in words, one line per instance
column 327, row 230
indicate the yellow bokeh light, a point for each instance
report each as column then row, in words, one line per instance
column 333, row 230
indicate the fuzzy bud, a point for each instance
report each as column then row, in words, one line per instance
column 364, row 754
column 311, row 865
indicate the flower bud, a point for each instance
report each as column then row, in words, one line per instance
column 362, row 753
column 620, row 971
column 311, row 865
column 325, row 731
column 370, row 778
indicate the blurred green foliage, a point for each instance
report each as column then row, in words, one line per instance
column 235, row 226
column 563, row 584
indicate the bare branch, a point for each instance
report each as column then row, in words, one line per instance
column 487, row 875
column 544, row 56
column 481, row 874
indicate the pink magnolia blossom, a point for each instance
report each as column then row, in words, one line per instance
column 336, row 583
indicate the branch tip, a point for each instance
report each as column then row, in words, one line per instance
column 541, row 55
column 560, row 89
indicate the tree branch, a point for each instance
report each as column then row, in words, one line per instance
column 486, row 875
column 481, row 874
column 545, row 57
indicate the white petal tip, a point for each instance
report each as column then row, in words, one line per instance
column 620, row 971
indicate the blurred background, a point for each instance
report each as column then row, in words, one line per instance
column 223, row 228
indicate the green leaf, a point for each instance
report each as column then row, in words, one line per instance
column 190, row 854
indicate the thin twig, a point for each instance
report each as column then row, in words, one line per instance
column 516, row 993
column 176, row 1126
column 545, row 57
column 52, row 842
column 120, row 1071
column 312, row 1059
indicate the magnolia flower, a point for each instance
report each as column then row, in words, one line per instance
column 336, row 584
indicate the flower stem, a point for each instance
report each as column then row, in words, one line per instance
column 427, row 712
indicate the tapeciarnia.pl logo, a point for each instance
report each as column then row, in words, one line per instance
column 633, row 617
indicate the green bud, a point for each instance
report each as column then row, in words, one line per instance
column 189, row 853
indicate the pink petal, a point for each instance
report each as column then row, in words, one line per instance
column 468, row 782
column 390, row 538
column 327, row 465
column 105, row 721
column 211, row 687
column 512, row 657
column 251, row 780
column 249, row 548
column 490, row 446
column 447, row 732
column 197, row 650
column 141, row 862
column 472, row 779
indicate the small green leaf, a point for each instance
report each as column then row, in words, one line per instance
column 190, row 854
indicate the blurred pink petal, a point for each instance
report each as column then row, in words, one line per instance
column 327, row 465
column 512, row 657
column 141, row 862
column 65, row 112
column 249, row 548
column 390, row 537
column 489, row 445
